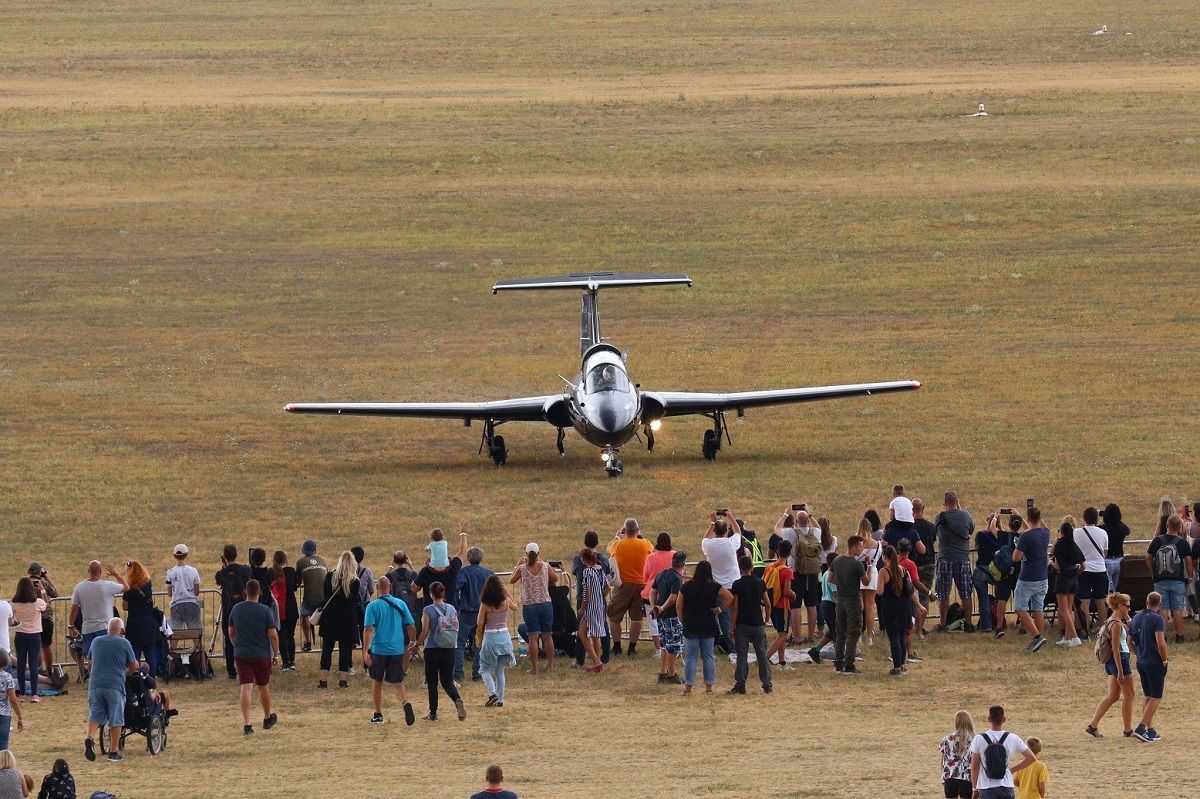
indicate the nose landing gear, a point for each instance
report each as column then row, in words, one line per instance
column 612, row 463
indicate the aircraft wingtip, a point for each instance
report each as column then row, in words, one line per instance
column 289, row 408
column 916, row 384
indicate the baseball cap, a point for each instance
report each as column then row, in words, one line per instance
column 181, row 550
column 35, row 567
column 532, row 547
column 309, row 547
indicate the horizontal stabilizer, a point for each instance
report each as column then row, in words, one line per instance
column 590, row 281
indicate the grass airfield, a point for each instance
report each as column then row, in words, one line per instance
column 210, row 211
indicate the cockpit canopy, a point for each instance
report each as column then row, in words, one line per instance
column 607, row 377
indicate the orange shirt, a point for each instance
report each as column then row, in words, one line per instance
column 630, row 555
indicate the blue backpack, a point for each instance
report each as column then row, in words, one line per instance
column 1001, row 565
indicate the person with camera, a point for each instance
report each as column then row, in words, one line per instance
column 231, row 579
column 40, row 577
column 92, row 602
column 1093, row 581
column 1032, row 554
column 721, row 545
column 28, row 603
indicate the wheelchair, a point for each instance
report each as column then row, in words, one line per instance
column 143, row 716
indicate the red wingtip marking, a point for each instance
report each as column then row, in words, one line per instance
column 289, row 409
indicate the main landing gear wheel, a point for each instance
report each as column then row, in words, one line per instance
column 494, row 444
column 712, row 437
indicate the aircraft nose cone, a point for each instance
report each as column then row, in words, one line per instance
column 611, row 417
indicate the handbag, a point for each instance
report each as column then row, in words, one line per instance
column 315, row 618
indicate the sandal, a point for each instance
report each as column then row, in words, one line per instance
column 1093, row 731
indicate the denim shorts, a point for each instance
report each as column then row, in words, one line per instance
column 106, row 706
column 1031, row 595
column 1174, row 594
column 1110, row 668
column 539, row 618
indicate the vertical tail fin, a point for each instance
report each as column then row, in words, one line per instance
column 589, row 323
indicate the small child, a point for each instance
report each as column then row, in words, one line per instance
column 439, row 550
column 58, row 784
column 1031, row 781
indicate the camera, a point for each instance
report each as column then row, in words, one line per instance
column 1006, row 511
column 1100, row 513
column 800, row 506
column 722, row 511
column 556, row 564
column 1029, row 504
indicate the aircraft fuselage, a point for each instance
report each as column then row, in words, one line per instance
column 604, row 405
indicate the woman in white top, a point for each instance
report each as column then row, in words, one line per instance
column 871, row 552
column 829, row 542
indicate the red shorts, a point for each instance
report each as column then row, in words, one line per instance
column 253, row 670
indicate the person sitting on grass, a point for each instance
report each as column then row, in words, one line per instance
column 59, row 783
column 495, row 785
column 13, row 783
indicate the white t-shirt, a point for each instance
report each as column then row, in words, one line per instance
column 95, row 601
column 185, row 582
column 5, row 622
column 789, row 534
column 828, row 555
column 721, row 553
column 902, row 509
column 1013, row 744
column 1093, row 559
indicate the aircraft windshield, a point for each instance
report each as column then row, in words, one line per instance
column 607, row 377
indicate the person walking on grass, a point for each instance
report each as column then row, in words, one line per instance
column 1031, row 782
column 702, row 600
column 850, row 578
column 956, row 757
column 593, row 607
column 664, row 596
column 991, row 753
column 751, row 608
column 1033, row 556
column 1148, row 638
column 780, row 582
column 439, row 637
column 492, row 638
column 339, row 620
column 255, row 650
column 537, row 611
column 388, row 635
column 1114, row 643
column 112, row 659
column 895, row 592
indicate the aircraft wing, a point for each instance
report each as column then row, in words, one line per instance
column 682, row 403
column 519, row 409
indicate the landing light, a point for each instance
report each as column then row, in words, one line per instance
column 656, row 424
column 604, row 456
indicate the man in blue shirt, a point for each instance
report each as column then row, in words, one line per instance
column 1148, row 637
column 388, row 635
column 1033, row 554
column 112, row 659
column 495, row 785
column 470, row 585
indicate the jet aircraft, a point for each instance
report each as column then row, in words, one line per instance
column 602, row 404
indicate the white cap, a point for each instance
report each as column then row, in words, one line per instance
column 181, row 549
column 532, row 547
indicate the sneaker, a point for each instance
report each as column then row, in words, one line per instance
column 999, row 634
column 248, row 729
column 785, row 667
column 343, row 684
column 815, row 654
column 737, row 689
column 631, row 651
column 270, row 721
column 89, row 749
column 430, row 717
column 1178, row 640
column 410, row 718
column 1074, row 642
column 1037, row 643
column 851, row 671
column 895, row 672
column 913, row 657
column 1141, row 733
column 968, row 627
column 36, row 698
column 288, row 667
column 491, row 700
column 616, row 649
column 113, row 757
column 351, row 671
column 1128, row 733
column 306, row 648
column 903, row 671
column 322, row 684
column 476, row 677
column 673, row 679
column 377, row 718
column 767, row 689
column 462, row 710
column 1063, row 641
column 1152, row 736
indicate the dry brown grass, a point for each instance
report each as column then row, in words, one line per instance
column 210, row 211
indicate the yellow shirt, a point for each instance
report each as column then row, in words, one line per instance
column 1027, row 780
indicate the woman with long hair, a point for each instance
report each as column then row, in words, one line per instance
column 27, row 605
column 144, row 619
column 1067, row 559
column 439, row 640
column 283, row 588
column 872, row 556
column 657, row 562
column 536, row 576
column 339, row 620
column 700, row 601
column 593, row 607
column 1120, row 678
column 1117, row 532
column 493, row 640
column 59, row 783
column 872, row 516
column 1166, row 509
column 894, row 592
column 956, row 757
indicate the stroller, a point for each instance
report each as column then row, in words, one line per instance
column 566, row 624
column 143, row 716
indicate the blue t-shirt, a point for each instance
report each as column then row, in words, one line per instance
column 503, row 793
column 1034, row 546
column 470, row 585
column 1143, row 629
column 388, row 617
column 111, row 657
column 252, row 623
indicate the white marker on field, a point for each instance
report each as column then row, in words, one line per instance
column 982, row 112
column 1102, row 32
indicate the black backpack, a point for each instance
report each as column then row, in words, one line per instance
column 402, row 588
column 954, row 614
column 995, row 758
